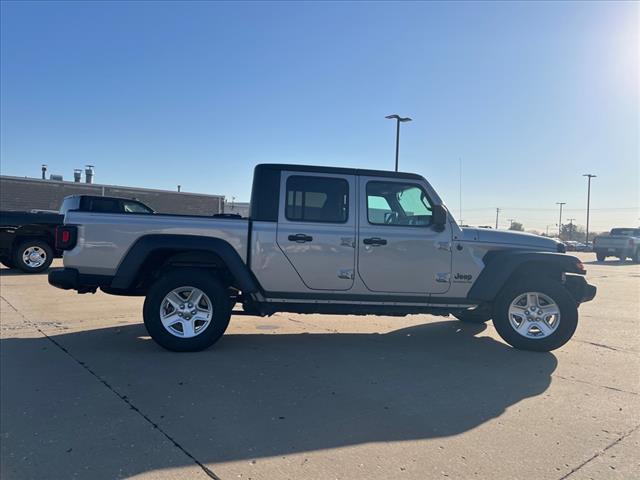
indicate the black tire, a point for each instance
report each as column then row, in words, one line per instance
column 473, row 316
column 201, row 279
column 7, row 263
column 600, row 257
column 567, row 306
column 27, row 267
column 622, row 258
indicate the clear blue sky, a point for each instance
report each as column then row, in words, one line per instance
column 529, row 95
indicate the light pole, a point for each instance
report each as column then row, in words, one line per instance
column 589, row 176
column 497, row 216
column 399, row 120
column 571, row 228
column 560, row 221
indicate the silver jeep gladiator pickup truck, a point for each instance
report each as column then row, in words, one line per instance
column 325, row 240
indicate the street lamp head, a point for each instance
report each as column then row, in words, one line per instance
column 398, row 117
column 590, row 175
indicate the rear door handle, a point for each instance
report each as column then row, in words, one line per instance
column 300, row 238
column 374, row 241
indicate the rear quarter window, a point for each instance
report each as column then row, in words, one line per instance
column 317, row 199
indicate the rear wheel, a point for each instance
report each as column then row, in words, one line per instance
column 622, row 258
column 600, row 257
column 33, row 256
column 535, row 314
column 187, row 310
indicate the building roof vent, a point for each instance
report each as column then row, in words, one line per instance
column 57, row 178
column 88, row 174
column 77, row 175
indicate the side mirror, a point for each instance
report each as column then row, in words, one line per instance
column 439, row 217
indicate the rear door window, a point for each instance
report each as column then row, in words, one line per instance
column 317, row 199
column 135, row 207
column 105, row 205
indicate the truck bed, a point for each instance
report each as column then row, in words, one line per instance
column 104, row 238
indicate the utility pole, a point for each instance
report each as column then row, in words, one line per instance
column 560, row 221
column 497, row 215
column 547, row 230
column 399, row 120
column 571, row 228
column 590, row 176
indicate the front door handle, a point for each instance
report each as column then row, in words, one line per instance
column 374, row 241
column 300, row 238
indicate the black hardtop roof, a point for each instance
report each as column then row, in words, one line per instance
column 338, row 170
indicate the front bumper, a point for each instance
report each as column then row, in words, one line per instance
column 580, row 289
column 71, row 279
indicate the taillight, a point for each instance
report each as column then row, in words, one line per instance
column 66, row 237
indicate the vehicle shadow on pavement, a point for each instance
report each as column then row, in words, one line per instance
column 14, row 272
column 260, row 395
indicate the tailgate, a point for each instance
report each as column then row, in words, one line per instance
column 612, row 242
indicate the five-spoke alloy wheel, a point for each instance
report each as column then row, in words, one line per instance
column 187, row 310
column 535, row 314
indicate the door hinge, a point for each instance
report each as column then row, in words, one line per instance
column 443, row 277
column 346, row 274
column 446, row 246
column 348, row 242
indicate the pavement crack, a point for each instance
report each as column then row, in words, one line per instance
column 600, row 452
column 602, row 345
column 595, row 384
column 124, row 398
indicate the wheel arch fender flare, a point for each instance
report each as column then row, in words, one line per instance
column 501, row 266
column 148, row 244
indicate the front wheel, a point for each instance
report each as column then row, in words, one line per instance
column 187, row 310
column 600, row 257
column 536, row 314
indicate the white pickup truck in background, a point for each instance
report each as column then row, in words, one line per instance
column 620, row 242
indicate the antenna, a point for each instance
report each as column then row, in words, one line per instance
column 460, row 160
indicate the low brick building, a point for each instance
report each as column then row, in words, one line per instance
column 23, row 193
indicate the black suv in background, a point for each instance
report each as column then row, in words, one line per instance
column 27, row 239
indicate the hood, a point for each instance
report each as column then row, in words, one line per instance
column 509, row 238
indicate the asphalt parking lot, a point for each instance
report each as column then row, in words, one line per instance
column 86, row 394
